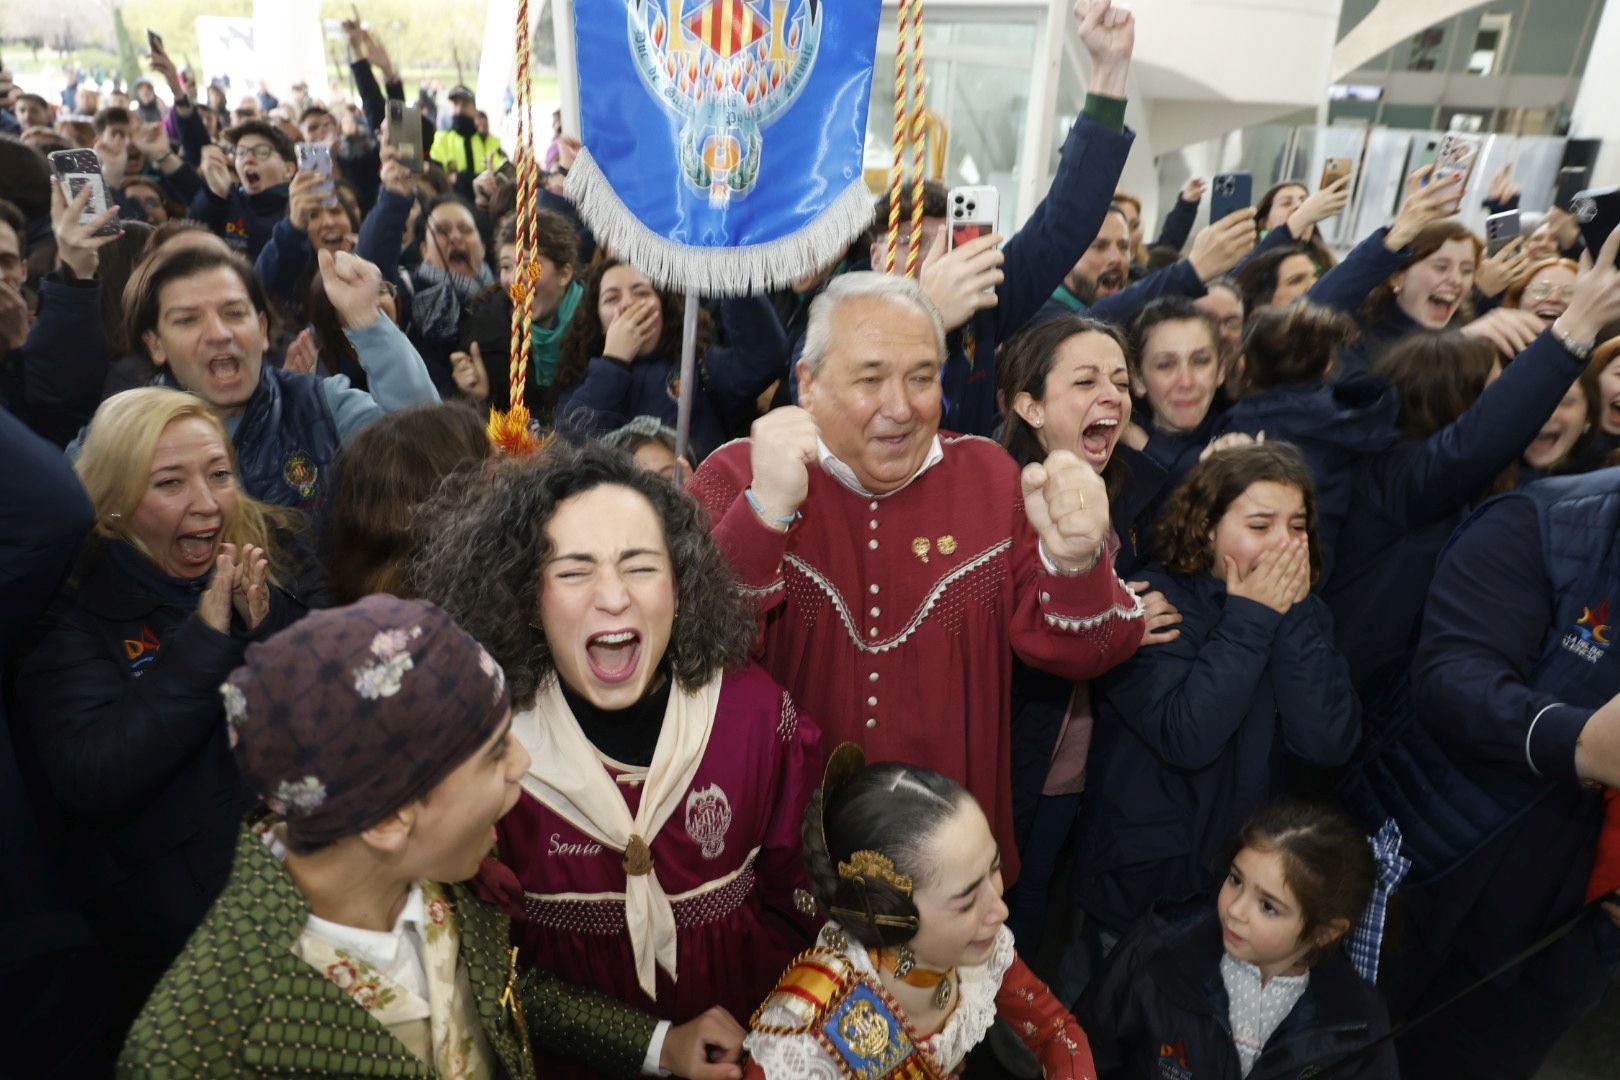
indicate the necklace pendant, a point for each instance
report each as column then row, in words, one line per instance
column 942, row 992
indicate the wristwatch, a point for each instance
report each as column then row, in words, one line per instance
column 1580, row 350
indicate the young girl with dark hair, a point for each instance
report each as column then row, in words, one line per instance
column 1259, row 985
column 621, row 358
column 914, row 964
column 1194, row 734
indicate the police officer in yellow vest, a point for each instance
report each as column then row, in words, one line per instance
column 462, row 151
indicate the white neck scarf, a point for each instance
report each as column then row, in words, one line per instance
column 568, row 777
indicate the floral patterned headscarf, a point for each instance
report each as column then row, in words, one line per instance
column 352, row 713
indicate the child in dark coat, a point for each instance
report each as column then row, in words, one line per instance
column 1259, row 985
column 1193, row 735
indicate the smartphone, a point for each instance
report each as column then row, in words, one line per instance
column 1501, row 230
column 1334, row 169
column 79, row 169
column 1457, row 155
column 154, row 43
column 1571, row 179
column 1598, row 212
column 973, row 212
column 404, row 132
column 1229, row 193
column 317, row 158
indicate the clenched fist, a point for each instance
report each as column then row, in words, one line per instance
column 1068, row 507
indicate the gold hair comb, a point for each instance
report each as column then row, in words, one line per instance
column 864, row 864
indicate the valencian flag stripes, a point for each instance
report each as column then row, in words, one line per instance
column 723, row 138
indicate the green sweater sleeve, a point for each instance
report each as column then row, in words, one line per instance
column 596, row 1031
column 1106, row 111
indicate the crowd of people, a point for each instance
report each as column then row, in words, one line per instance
column 1065, row 663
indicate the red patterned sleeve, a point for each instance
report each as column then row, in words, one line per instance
column 1044, row 1025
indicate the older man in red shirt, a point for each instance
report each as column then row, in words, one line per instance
column 898, row 570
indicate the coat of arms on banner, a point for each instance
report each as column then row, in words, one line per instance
column 708, row 816
column 729, row 68
column 724, row 139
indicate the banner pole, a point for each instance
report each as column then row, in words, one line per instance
column 683, row 416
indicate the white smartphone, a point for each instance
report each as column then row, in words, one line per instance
column 317, row 158
column 971, row 212
column 1458, row 153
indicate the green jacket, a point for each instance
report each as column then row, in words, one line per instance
column 237, row 1002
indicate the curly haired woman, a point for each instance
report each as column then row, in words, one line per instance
column 655, row 851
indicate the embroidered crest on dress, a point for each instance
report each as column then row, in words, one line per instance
column 708, row 816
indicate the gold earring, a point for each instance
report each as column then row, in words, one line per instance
column 904, row 961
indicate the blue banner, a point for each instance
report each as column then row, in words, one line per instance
column 723, row 138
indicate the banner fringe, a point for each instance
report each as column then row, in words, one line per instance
column 720, row 271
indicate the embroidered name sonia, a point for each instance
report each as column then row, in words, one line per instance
column 555, row 846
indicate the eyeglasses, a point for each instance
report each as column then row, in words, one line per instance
column 1542, row 292
column 261, row 152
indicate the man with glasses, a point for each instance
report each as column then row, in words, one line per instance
column 244, row 212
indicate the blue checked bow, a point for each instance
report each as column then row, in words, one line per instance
column 1389, row 867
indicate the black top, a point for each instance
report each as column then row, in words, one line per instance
column 628, row 735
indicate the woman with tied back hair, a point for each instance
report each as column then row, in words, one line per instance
column 1195, row 734
column 392, row 467
column 621, row 358
column 121, row 692
column 654, row 853
column 914, row 964
column 1066, row 384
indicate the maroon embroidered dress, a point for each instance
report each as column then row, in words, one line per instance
column 728, row 860
column 894, row 619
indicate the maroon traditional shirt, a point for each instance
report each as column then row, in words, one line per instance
column 729, row 861
column 894, row 618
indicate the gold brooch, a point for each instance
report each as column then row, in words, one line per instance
column 919, row 548
column 805, row 903
column 947, row 545
column 638, row 860
column 865, row 863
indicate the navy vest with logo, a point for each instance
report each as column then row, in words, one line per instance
column 286, row 440
column 1451, row 808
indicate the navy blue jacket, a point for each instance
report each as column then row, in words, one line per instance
column 47, row 517
column 1037, row 258
column 53, row 380
column 1377, row 336
column 1335, row 425
column 1040, row 700
column 1515, row 657
column 1406, row 501
column 1177, row 454
column 1178, row 224
column 1160, row 1009
column 730, row 379
column 121, row 696
column 286, row 440
column 1346, row 286
column 1194, row 735
column 243, row 221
